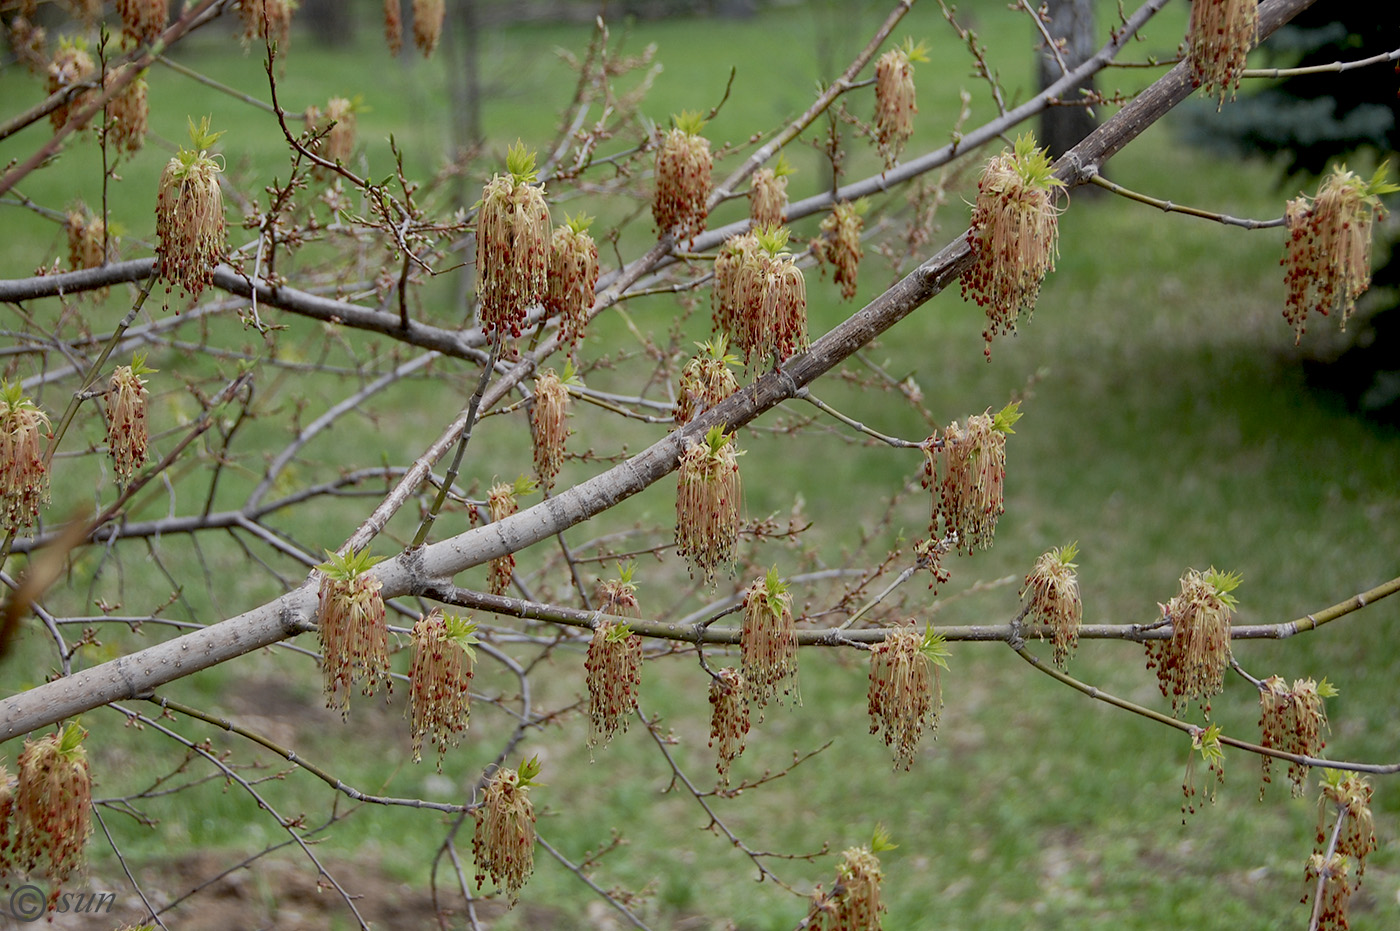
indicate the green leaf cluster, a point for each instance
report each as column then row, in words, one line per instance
column 346, row 568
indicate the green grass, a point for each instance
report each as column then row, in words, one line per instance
column 1167, row 425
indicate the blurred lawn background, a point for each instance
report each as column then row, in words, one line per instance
column 1168, row 426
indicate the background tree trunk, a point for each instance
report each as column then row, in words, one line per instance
column 332, row 22
column 464, row 70
column 1072, row 23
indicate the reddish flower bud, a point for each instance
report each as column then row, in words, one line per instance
column 683, row 167
column 1013, row 236
column 1191, row 664
column 127, row 113
column 338, row 125
column 573, row 273
column 29, row 42
column 512, row 244
column 87, row 12
column 1328, row 254
column 53, row 806
column 614, row 676
column 144, row 20
column 708, row 494
column 905, row 694
column 70, row 67
column 768, row 198
column 427, row 24
column 503, row 844
column 1292, row 720
column 1054, row 606
column 549, row 425
column 965, row 468
column 705, row 381
column 502, row 502
column 393, row 26
column 728, row 301
column 772, row 299
column 8, row 826
column 839, row 244
column 768, row 642
column 1218, row 39
column 126, row 419
column 190, row 215
column 439, row 680
column 619, row 596
column 86, row 239
column 354, row 634
column 1348, row 796
column 894, row 100
column 1336, row 890
column 853, row 904
column 729, row 718
column 270, row 20
column 24, row 478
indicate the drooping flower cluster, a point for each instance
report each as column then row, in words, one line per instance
column 393, row 26
column 1292, row 720
column 270, row 20
column 87, row 12
column 1347, row 796
column 683, row 167
column 1336, row 890
column 549, row 423
column 905, row 695
column 86, row 239
column 1327, row 259
column 440, row 679
column 768, row 197
column 70, row 67
column 354, row 634
column 728, row 302
column 965, row 469
column 619, row 596
column 7, row 821
column 729, row 718
column 47, row 818
column 768, row 642
column 853, row 903
column 502, row 501
column 708, row 495
column 1054, row 606
column 1206, row 742
column 427, row 24
column 839, row 244
column 127, row 112
column 28, row 41
column 614, row 678
column 190, row 215
column 1013, row 236
column 894, row 98
column 126, row 418
column 512, row 244
column 573, row 275
column 143, row 20
column 706, row 380
column 1218, row 38
column 772, row 301
column 503, row 844
column 1191, row 663
column 338, row 125
column 24, row 477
